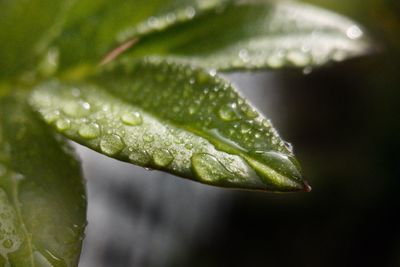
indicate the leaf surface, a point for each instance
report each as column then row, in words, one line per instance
column 42, row 194
column 93, row 28
column 26, row 28
column 174, row 117
column 260, row 34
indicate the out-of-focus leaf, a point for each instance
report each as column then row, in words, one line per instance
column 26, row 27
column 173, row 117
column 42, row 195
column 260, row 34
column 93, row 28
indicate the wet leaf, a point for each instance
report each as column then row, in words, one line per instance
column 93, row 28
column 260, row 34
column 174, row 117
column 42, row 195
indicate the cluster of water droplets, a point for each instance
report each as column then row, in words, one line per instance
column 198, row 99
column 281, row 34
column 10, row 239
column 94, row 117
column 178, row 14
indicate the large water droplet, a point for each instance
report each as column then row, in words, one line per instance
column 132, row 118
column 162, row 157
column 89, row 131
column 140, row 157
column 283, row 164
column 111, row 144
column 209, row 169
column 75, row 108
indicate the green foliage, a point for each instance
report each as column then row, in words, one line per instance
column 42, row 195
column 162, row 105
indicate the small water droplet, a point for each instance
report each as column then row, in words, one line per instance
column 111, row 144
column 52, row 116
column 213, row 72
column 63, row 124
column 8, row 243
column 132, row 118
column 162, row 157
column 148, row 138
column 244, row 55
column 190, row 12
column 354, row 32
column 245, row 128
column 89, row 131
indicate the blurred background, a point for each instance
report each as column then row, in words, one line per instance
column 344, row 123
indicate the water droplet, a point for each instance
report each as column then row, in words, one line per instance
column 189, row 146
column 244, row 55
column 228, row 112
column 208, row 169
column 63, row 124
column 111, row 144
column 8, row 243
column 52, row 116
column 148, row 138
column 251, row 113
column 132, row 118
column 245, row 128
column 162, row 157
column 190, row 12
column 75, row 108
column 298, row 58
column 192, row 110
column 140, row 157
column 354, row 32
column 281, row 163
column 213, row 72
column 89, row 131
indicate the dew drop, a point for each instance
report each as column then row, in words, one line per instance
column 63, row 124
column 52, row 116
column 132, row 118
column 8, row 243
column 148, row 138
column 228, row 112
column 140, row 157
column 298, row 58
column 162, row 157
column 245, row 128
column 89, row 131
column 111, row 144
column 76, row 108
column 354, row 32
column 208, row 168
column 192, row 110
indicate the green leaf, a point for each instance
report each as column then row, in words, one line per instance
column 42, row 194
column 260, row 34
column 93, row 28
column 26, row 28
column 174, row 117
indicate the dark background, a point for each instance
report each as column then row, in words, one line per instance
column 343, row 121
